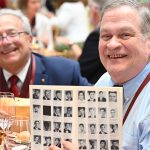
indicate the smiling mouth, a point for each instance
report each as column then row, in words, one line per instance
column 8, row 51
column 116, row 56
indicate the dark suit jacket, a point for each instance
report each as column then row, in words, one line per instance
column 57, row 71
column 51, row 71
column 91, row 66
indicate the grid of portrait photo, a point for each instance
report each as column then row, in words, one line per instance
column 90, row 117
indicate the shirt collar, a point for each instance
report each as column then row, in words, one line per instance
column 129, row 87
column 21, row 75
column 132, row 85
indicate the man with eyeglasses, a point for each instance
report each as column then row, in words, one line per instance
column 18, row 61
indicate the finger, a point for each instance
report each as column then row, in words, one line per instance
column 69, row 146
column 53, row 147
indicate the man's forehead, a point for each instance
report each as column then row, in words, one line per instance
column 10, row 22
column 6, row 16
column 121, row 14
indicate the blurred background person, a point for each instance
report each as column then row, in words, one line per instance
column 90, row 64
column 40, row 25
column 3, row 4
column 71, row 21
column 8, row 4
column 48, row 8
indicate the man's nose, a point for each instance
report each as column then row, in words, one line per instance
column 114, row 43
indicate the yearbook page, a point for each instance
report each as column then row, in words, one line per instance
column 90, row 117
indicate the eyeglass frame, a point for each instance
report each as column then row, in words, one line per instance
column 11, row 36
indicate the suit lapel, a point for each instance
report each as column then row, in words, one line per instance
column 41, row 78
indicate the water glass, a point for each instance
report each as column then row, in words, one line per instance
column 7, row 109
column 18, row 135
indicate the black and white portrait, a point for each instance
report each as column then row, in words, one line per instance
column 47, row 95
column 68, row 96
column 57, row 95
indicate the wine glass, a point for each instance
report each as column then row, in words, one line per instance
column 7, row 109
column 18, row 134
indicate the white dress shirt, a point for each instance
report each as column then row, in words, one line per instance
column 21, row 75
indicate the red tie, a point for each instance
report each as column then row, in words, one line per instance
column 13, row 85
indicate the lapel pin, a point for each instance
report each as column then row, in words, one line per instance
column 42, row 80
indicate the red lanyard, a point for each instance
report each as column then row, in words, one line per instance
column 147, row 79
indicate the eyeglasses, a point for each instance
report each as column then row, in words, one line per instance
column 11, row 36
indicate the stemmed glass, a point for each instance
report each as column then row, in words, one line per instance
column 18, row 135
column 7, row 109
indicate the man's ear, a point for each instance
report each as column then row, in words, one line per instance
column 147, row 46
column 30, row 38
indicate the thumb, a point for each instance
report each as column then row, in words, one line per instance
column 69, row 146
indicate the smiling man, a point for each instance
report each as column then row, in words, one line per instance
column 25, row 68
column 124, row 49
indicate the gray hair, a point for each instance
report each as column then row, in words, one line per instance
column 144, row 12
column 99, row 3
column 20, row 15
